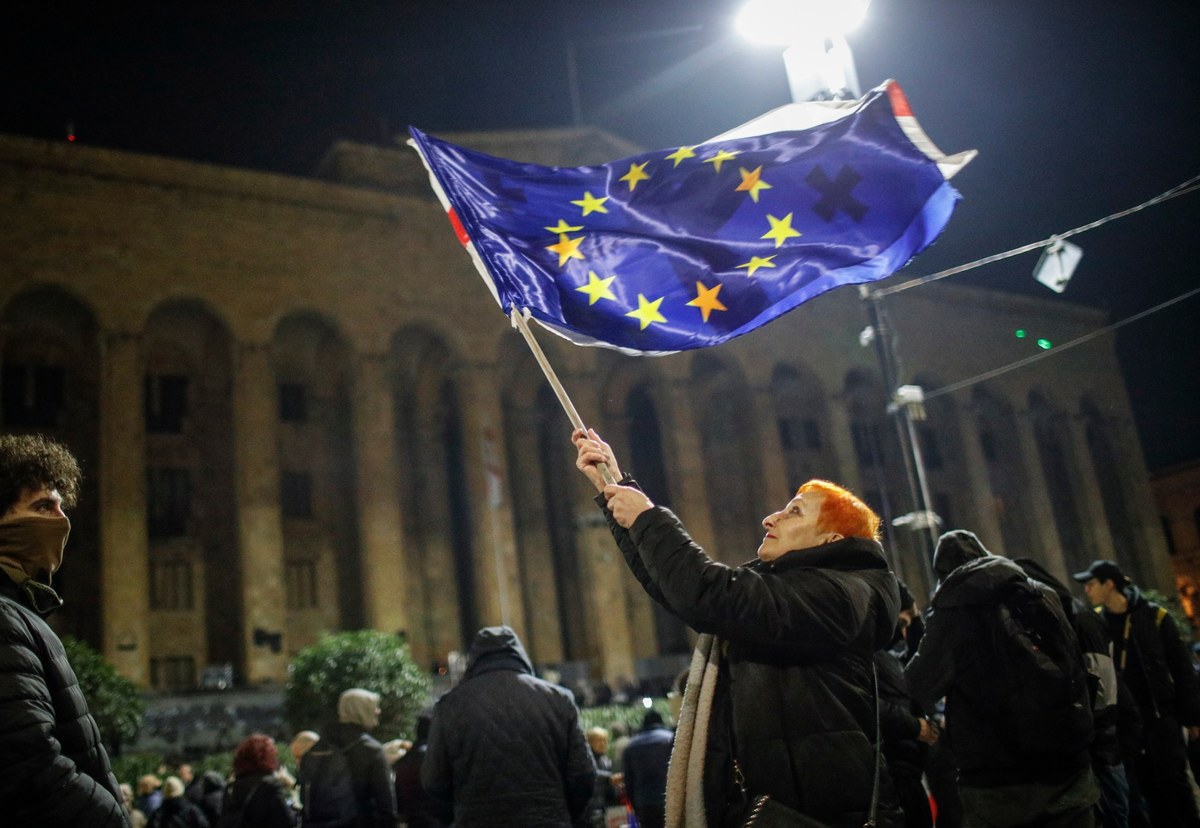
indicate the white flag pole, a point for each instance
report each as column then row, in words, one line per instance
column 521, row 323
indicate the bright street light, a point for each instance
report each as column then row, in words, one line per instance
column 786, row 22
column 816, row 55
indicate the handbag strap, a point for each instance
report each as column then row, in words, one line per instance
column 874, row 810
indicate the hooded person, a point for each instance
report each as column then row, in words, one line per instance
column 54, row 770
column 999, row 782
column 506, row 747
column 358, row 712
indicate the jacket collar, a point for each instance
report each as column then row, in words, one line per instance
column 844, row 554
column 32, row 594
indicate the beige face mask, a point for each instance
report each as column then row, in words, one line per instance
column 35, row 544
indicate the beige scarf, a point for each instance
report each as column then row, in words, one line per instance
column 685, row 775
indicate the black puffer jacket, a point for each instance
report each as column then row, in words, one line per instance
column 506, row 747
column 951, row 662
column 54, row 770
column 794, row 699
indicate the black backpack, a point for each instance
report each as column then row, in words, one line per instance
column 326, row 788
column 1037, row 693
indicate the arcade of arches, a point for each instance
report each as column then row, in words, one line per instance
column 299, row 411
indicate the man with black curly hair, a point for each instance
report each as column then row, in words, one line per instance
column 54, row 770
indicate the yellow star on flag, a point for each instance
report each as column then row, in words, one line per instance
column 720, row 158
column 563, row 227
column 566, row 248
column 591, row 204
column 706, row 300
column 752, row 182
column 781, row 229
column 647, row 311
column 681, row 153
column 637, row 172
column 755, row 263
column 597, row 288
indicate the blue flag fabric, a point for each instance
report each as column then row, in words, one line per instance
column 687, row 248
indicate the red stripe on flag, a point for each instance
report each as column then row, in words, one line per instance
column 900, row 107
column 459, row 230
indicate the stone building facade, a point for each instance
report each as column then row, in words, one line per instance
column 299, row 410
column 1177, row 493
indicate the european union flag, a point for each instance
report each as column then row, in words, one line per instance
column 692, row 246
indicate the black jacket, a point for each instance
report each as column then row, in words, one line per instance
column 256, row 800
column 506, row 747
column 1097, row 647
column 794, row 700
column 1156, row 667
column 950, row 662
column 370, row 773
column 900, row 718
column 54, row 770
column 180, row 812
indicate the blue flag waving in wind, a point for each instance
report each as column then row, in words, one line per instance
column 693, row 246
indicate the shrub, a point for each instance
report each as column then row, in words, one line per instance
column 1173, row 605
column 363, row 658
column 631, row 715
column 112, row 699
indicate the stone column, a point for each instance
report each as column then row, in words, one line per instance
column 380, row 528
column 1153, row 562
column 530, row 525
column 614, row 622
column 842, row 441
column 124, row 555
column 1041, row 519
column 498, row 583
column 438, row 622
column 1087, row 492
column 777, row 487
column 259, row 522
column 685, row 465
column 979, row 487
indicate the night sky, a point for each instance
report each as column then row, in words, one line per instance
column 1079, row 109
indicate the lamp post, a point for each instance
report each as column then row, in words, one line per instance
column 820, row 66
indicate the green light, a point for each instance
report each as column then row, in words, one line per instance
column 1045, row 344
column 1020, row 333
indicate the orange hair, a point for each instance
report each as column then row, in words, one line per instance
column 842, row 512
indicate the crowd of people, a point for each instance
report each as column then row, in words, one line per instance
column 818, row 694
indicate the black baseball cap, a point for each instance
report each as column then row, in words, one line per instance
column 1102, row 571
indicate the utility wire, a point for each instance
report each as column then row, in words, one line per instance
column 1191, row 185
column 1088, row 337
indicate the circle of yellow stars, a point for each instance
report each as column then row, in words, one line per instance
column 706, row 301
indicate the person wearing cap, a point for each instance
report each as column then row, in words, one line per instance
column 999, row 783
column 780, row 697
column 1154, row 662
